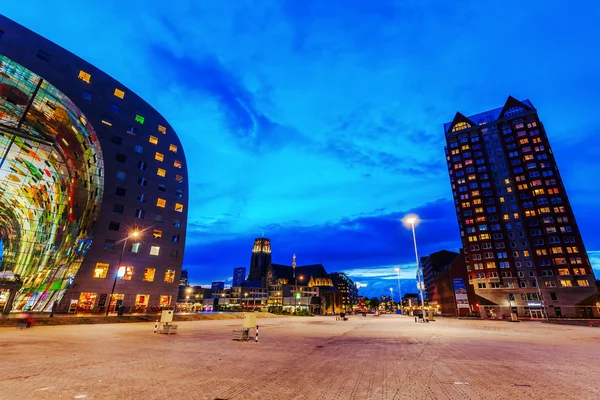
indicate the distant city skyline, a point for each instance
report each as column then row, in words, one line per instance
column 324, row 129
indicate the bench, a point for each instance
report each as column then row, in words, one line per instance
column 168, row 329
column 241, row 335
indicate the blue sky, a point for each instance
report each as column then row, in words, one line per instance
column 319, row 123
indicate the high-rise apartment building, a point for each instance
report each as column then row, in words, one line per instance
column 523, row 250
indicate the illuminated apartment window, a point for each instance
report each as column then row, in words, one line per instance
column 566, row 283
column 164, row 301
column 161, row 203
column 173, row 148
column 128, row 273
column 161, row 172
column 139, row 119
column 107, row 121
column 175, row 238
column 170, row 276
column 131, row 130
column 101, row 270
column 153, row 139
column 162, row 129
column 157, row 234
column 149, row 274
column 178, row 207
column 154, row 250
column 179, row 178
column 583, row 282
column 177, row 164
column 119, row 93
column 159, row 156
column 134, row 248
column 84, row 76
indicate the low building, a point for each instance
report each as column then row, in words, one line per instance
column 432, row 265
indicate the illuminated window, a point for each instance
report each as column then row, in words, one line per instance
column 583, row 282
column 170, row 276
column 179, row 178
column 157, row 234
column 154, row 250
column 178, row 207
column 149, row 274
column 161, row 172
column 101, row 270
column 161, row 203
column 164, row 301
column 128, row 273
column 177, row 164
column 153, row 139
column 139, row 119
column 84, row 76
column 159, row 157
column 173, row 148
column 135, row 247
column 119, row 93
column 566, row 283
column 107, row 121
column 162, row 129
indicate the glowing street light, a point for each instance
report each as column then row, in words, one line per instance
column 412, row 220
column 121, row 270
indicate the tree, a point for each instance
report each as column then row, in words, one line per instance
column 374, row 303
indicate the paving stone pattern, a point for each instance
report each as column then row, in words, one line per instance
column 386, row 357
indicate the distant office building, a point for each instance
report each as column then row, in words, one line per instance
column 239, row 276
column 347, row 289
column 523, row 249
column 260, row 259
column 218, row 285
column 183, row 280
column 432, row 265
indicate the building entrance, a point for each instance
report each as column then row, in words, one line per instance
column 536, row 314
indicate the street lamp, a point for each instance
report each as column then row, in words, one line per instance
column 411, row 220
column 392, row 295
column 120, row 269
column 246, row 297
column 399, row 289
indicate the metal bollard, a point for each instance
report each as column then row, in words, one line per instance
column 256, row 335
column 155, row 326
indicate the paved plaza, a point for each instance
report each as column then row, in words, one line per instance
column 386, row 357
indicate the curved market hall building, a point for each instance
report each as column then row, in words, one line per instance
column 93, row 186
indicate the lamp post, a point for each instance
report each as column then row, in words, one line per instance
column 392, row 295
column 412, row 220
column 246, row 297
column 120, row 269
column 399, row 288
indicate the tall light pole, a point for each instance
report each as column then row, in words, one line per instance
column 399, row 288
column 412, row 220
column 120, row 270
column 392, row 295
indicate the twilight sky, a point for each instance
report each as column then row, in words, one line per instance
column 319, row 122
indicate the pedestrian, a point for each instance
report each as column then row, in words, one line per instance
column 22, row 320
column 416, row 318
column 53, row 308
column 29, row 320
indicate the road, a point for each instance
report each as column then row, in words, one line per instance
column 385, row 357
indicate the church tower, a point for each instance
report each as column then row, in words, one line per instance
column 260, row 260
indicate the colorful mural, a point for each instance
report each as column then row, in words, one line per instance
column 50, row 185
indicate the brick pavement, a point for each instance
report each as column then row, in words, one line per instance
column 386, row 357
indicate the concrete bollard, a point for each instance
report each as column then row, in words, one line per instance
column 156, row 326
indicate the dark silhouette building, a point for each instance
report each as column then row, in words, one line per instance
column 260, row 259
column 523, row 249
column 432, row 265
column 239, row 276
column 93, row 184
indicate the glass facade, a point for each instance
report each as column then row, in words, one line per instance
column 51, row 183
